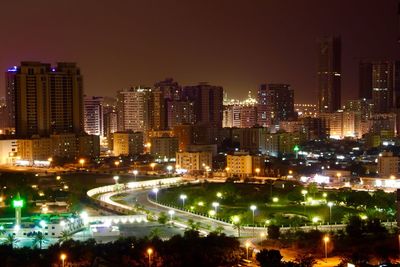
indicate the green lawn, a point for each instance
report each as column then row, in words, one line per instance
column 236, row 199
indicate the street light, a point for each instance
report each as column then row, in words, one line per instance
column 219, row 195
column 63, row 256
column 82, row 161
column 152, row 165
column 257, row 171
column 215, row 205
column 116, row 163
column 171, row 213
column 183, row 197
column 326, row 240
column 253, row 209
column 330, row 204
column 135, row 172
column 315, row 221
column 304, row 193
column 275, row 199
column 149, row 252
column 155, row 191
column 247, row 244
column 169, row 169
column 116, row 178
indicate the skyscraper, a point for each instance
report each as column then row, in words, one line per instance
column 47, row 100
column 262, row 105
column 329, row 74
column 380, row 81
column 133, row 109
column 207, row 101
column 280, row 103
column 93, row 115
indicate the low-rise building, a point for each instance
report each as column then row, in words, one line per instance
column 128, row 143
column 164, row 148
column 193, row 161
column 240, row 164
column 388, row 165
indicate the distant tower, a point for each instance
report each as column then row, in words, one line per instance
column 329, row 74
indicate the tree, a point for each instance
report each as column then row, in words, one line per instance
column 273, row 231
column 306, row 260
column 154, row 233
column 312, row 189
column 268, row 258
column 238, row 226
column 11, row 240
column 355, row 227
column 64, row 236
column 162, row 218
column 39, row 239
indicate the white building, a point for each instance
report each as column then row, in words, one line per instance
column 193, row 161
column 8, row 151
column 93, row 115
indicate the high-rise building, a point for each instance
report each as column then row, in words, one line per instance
column 93, row 115
column 262, row 106
column 133, row 109
column 280, row 103
column 380, row 81
column 180, row 112
column 47, row 99
column 329, row 74
column 10, row 96
column 207, row 101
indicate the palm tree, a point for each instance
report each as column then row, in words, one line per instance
column 238, row 226
column 219, row 229
column 11, row 240
column 64, row 236
column 39, row 239
column 155, row 232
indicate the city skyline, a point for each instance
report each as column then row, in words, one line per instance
column 236, row 46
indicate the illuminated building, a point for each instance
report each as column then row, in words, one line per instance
column 8, row 151
column 280, row 104
column 306, row 110
column 388, row 165
column 164, row 148
column 93, row 115
column 47, row 99
column 240, row 164
column 127, row 143
column 194, row 161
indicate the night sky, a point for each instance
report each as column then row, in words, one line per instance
column 234, row 43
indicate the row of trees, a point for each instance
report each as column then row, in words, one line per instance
column 187, row 250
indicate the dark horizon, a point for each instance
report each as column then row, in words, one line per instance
column 238, row 46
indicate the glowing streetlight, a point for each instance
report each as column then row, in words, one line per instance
column 155, row 191
column 149, row 252
column 304, row 193
column 82, row 161
column 63, row 256
column 116, row 178
column 275, row 199
column 152, row 165
column 183, row 197
column 135, row 172
column 169, row 169
column 171, row 213
column 200, row 203
column 212, row 213
column 219, row 195
column 116, row 163
column 253, row 209
column 315, row 221
column 326, row 240
column 227, row 169
column 330, row 205
column 215, row 205
column 257, row 170
column 324, row 195
column 247, row 244
column 58, row 177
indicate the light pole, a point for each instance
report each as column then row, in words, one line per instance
column 330, row 204
column 152, row 165
column 169, row 169
column 183, row 197
column 215, row 205
column 315, row 221
column 247, row 244
column 155, row 191
column 116, row 178
column 82, row 161
column 257, row 170
column 63, row 256
column 253, row 209
column 149, row 252
column 116, row 163
column 326, row 240
column 171, row 213
column 304, row 193
column 227, row 169
column 135, row 172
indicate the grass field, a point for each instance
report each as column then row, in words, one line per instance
column 274, row 203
